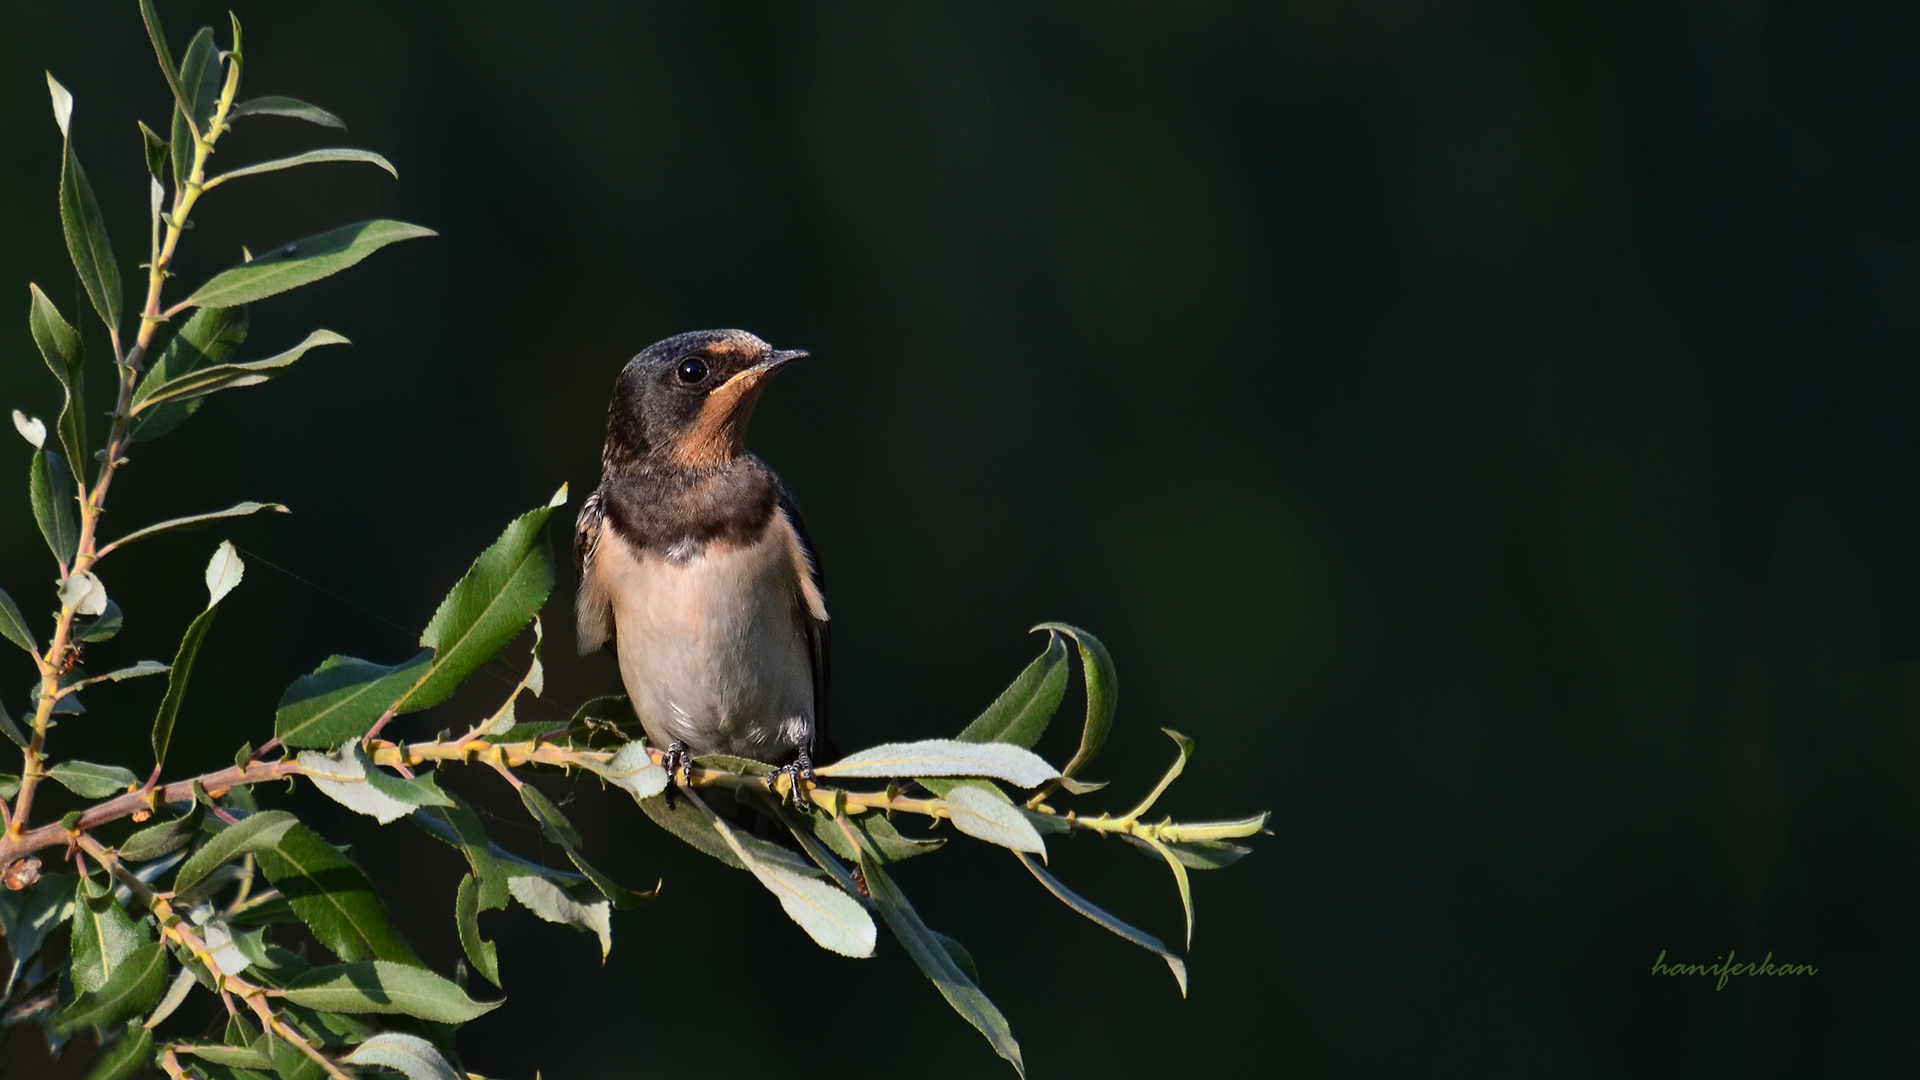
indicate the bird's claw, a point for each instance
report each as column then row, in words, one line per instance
column 677, row 760
column 800, row 769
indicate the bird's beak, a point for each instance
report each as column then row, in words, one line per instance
column 778, row 359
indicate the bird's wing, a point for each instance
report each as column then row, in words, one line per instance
column 593, row 608
column 813, row 615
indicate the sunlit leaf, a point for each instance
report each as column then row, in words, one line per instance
column 1021, row 713
column 254, row 834
column 354, row 782
column 202, row 381
column 342, row 699
column 1180, row 880
column 80, row 220
column 1213, row 830
column 243, row 1057
column 90, row 781
column 938, row 964
column 196, row 521
column 985, row 813
column 833, row 919
column 137, row 670
column 333, row 897
column 946, row 757
column 554, row 904
column 200, row 85
column 495, row 600
column 134, row 988
column 632, row 770
column 286, row 106
column 1173, row 773
column 311, row 157
column 84, row 593
column 208, row 338
column 1103, row 694
column 168, row 68
column 176, row 695
column 13, row 627
column 61, row 348
column 876, row 831
column 378, row 986
column 1092, row 911
column 410, row 1055
column 302, row 262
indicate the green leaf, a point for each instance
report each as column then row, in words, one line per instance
column 1138, row 937
column 1103, row 694
column 354, row 782
column 466, row 918
column 946, row 757
column 244, row 1057
column 834, row 920
column 633, row 771
column 1021, row 713
column 61, row 348
column 157, row 152
column 874, row 830
column 13, row 627
column 80, row 220
column 102, row 628
column 341, row 699
column 255, row 834
column 14, row 735
column 158, row 37
column 556, row 905
column 138, row 670
column 460, row 828
column 177, row 992
column 1196, row 831
column 611, row 716
column 333, row 898
column 200, row 382
column 691, row 826
column 553, row 824
column 311, row 157
column 410, row 1055
column 377, row 986
column 984, row 812
column 90, row 781
column 200, row 85
column 938, row 964
column 495, row 600
column 194, row 521
column 302, row 262
column 959, row 954
column 1179, row 879
column 134, row 988
column 177, row 683
column 209, row 337
column 103, row 935
column 55, row 505
column 286, row 106
column 26, row 918
column 1173, row 773
column 164, row 838
column 125, row 1059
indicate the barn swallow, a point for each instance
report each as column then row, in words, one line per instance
column 695, row 564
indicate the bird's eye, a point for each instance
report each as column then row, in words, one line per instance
column 692, row 370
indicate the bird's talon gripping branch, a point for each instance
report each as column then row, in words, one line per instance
column 800, row 769
column 677, row 761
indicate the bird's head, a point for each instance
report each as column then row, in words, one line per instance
column 684, row 402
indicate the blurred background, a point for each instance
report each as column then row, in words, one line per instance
column 1487, row 429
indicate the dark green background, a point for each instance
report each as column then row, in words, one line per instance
column 1487, row 429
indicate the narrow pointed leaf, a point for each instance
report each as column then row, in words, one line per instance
column 461, row 828
column 168, row 68
column 14, row 735
column 61, row 348
column 163, row 838
column 1173, row 773
column 924, row 946
column 194, row 521
column 466, row 918
column 200, row 88
column 693, row 825
column 555, row 905
column 1195, row 855
column 138, row 670
column 302, row 262
column 183, row 659
column 13, row 627
column 208, row 338
column 80, row 221
column 1103, row 694
column 103, row 936
column 311, row 157
column 103, row 628
column 90, row 781
column 977, row 812
column 410, row 1055
column 241, row 1057
column 125, row 1059
column 209, row 380
column 1179, row 879
column 1092, row 911
column 55, row 506
column 134, row 988
column 946, row 757
column 254, row 834
column 378, row 986
column 177, row 992
column 1214, row 830
column 286, row 106
column 833, row 919
column 876, row 832
column 333, row 897
column 1021, row 713
column 157, row 152
column 342, row 699
column 489, row 606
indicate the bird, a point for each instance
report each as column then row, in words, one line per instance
column 695, row 565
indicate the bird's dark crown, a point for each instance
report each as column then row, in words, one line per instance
column 684, row 403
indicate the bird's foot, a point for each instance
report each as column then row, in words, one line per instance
column 800, row 769
column 677, row 760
